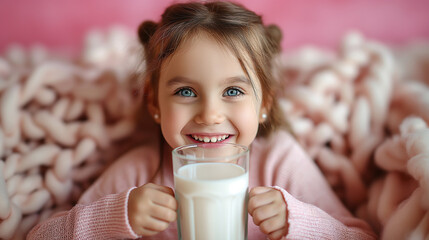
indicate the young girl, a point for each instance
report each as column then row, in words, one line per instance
column 208, row 79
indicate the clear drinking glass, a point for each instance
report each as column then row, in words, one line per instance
column 211, row 186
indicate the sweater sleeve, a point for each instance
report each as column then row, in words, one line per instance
column 105, row 218
column 314, row 211
column 102, row 211
column 307, row 221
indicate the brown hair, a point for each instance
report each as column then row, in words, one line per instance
column 241, row 30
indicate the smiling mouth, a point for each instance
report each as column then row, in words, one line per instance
column 211, row 139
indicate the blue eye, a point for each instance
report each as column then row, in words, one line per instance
column 185, row 92
column 233, row 92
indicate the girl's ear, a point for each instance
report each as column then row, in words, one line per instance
column 263, row 115
column 152, row 105
column 154, row 112
column 265, row 110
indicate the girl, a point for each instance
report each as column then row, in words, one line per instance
column 208, row 79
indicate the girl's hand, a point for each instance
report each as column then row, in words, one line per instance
column 151, row 209
column 268, row 209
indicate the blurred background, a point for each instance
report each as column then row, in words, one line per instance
column 63, row 24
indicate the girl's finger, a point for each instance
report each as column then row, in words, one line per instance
column 166, row 189
column 163, row 213
column 263, row 213
column 258, row 190
column 261, row 199
column 161, row 188
column 278, row 234
column 165, row 200
column 155, row 225
column 146, row 232
column 273, row 224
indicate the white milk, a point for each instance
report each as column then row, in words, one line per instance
column 212, row 201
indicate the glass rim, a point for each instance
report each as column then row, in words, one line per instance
column 193, row 145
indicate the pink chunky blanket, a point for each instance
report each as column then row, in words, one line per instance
column 361, row 112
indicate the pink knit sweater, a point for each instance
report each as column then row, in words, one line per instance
column 314, row 211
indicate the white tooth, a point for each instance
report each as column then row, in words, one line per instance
column 206, row 139
column 220, row 139
column 214, row 139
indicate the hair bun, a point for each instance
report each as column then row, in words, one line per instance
column 275, row 36
column 146, row 30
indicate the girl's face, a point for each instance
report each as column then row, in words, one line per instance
column 205, row 96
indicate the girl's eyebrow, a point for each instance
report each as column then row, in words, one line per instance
column 238, row 79
column 178, row 80
column 184, row 80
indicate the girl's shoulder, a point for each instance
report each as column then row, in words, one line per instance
column 278, row 139
column 279, row 146
column 142, row 155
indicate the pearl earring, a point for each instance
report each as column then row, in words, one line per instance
column 264, row 116
column 156, row 116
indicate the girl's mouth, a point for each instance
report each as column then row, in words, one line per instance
column 209, row 139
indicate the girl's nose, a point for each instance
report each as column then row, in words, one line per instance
column 210, row 114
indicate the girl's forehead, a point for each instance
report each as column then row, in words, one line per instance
column 203, row 38
column 207, row 41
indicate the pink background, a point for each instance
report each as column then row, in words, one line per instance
column 63, row 24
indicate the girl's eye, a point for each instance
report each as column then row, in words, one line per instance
column 185, row 92
column 233, row 92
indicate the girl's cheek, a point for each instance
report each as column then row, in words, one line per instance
column 246, row 120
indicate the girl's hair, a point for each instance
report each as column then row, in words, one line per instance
column 237, row 28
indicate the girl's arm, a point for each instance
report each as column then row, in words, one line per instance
column 102, row 211
column 313, row 211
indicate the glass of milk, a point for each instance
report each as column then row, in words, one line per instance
column 211, row 186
